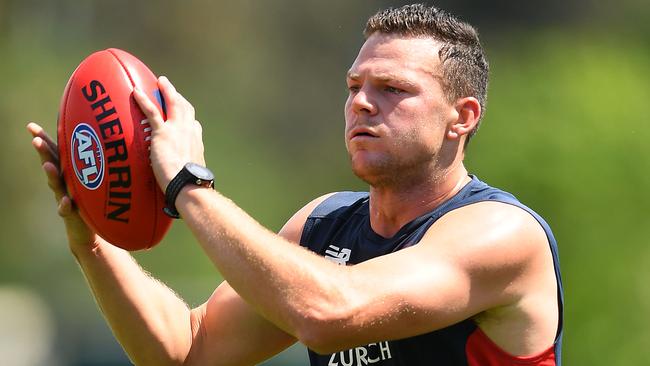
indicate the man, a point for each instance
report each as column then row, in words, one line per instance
column 431, row 267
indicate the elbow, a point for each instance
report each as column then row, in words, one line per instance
column 326, row 330
column 166, row 360
column 321, row 345
column 164, row 356
column 173, row 344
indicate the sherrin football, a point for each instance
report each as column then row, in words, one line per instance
column 104, row 141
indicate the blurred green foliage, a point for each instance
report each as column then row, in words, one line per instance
column 566, row 131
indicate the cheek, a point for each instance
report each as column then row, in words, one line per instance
column 418, row 135
column 347, row 111
column 348, row 103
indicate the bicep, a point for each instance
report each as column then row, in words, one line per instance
column 460, row 268
column 228, row 331
column 409, row 292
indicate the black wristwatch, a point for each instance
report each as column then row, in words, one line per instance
column 191, row 173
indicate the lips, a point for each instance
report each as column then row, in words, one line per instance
column 362, row 132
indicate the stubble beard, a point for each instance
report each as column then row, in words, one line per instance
column 408, row 163
column 396, row 172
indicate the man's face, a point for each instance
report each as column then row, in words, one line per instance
column 396, row 114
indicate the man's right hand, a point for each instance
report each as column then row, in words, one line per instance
column 79, row 234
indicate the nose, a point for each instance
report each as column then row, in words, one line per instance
column 362, row 102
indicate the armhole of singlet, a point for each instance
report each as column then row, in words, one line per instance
column 326, row 208
column 552, row 245
column 509, row 199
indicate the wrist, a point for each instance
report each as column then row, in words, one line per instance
column 80, row 250
column 167, row 176
column 189, row 196
column 190, row 175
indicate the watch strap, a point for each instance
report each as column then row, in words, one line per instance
column 191, row 173
column 173, row 189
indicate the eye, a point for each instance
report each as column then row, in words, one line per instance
column 393, row 90
column 353, row 88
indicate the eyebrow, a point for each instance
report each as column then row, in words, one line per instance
column 382, row 77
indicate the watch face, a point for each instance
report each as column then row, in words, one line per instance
column 199, row 171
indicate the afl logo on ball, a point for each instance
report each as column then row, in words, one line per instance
column 87, row 156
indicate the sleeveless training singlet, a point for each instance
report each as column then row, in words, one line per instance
column 339, row 229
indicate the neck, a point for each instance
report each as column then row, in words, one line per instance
column 393, row 207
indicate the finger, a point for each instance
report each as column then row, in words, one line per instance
column 65, row 207
column 149, row 109
column 198, row 127
column 38, row 131
column 186, row 107
column 173, row 100
column 54, row 180
column 198, row 130
column 44, row 151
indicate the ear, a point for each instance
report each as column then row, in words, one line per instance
column 469, row 111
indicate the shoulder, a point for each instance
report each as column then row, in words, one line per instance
column 490, row 238
column 490, row 225
column 292, row 229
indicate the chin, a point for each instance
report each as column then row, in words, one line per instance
column 388, row 172
column 376, row 174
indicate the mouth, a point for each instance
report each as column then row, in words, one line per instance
column 362, row 132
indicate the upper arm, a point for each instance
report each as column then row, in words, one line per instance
column 471, row 260
column 226, row 330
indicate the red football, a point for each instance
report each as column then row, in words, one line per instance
column 104, row 150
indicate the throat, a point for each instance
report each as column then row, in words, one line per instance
column 390, row 209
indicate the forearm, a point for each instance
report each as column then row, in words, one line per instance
column 283, row 281
column 151, row 323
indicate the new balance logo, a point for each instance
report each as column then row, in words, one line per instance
column 338, row 255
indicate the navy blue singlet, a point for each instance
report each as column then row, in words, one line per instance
column 339, row 229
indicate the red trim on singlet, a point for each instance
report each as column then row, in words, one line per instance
column 482, row 351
